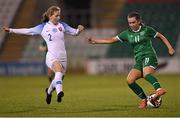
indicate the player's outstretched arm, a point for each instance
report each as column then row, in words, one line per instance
column 166, row 42
column 93, row 40
column 6, row 29
column 72, row 31
column 26, row 31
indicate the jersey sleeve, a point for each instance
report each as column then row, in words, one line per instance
column 28, row 31
column 69, row 30
column 122, row 36
column 152, row 32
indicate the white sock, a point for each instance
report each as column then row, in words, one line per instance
column 51, row 87
column 58, row 82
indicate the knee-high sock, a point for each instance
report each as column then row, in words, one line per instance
column 151, row 79
column 51, row 87
column 137, row 90
column 56, row 83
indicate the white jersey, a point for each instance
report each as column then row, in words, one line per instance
column 53, row 35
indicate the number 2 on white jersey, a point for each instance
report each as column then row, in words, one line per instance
column 49, row 35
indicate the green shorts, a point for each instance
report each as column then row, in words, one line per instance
column 147, row 60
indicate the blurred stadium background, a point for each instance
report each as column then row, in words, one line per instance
column 104, row 18
column 86, row 94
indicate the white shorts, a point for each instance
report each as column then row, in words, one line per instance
column 50, row 59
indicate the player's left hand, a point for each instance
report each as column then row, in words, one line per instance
column 171, row 51
column 80, row 27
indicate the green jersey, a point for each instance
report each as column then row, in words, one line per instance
column 43, row 44
column 140, row 40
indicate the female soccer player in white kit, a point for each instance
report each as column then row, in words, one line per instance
column 52, row 31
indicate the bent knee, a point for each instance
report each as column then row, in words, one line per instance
column 133, row 76
column 57, row 67
column 130, row 80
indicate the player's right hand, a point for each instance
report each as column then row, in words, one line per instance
column 90, row 40
column 81, row 28
column 171, row 51
column 6, row 29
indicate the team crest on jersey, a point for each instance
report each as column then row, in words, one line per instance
column 54, row 30
column 60, row 29
column 142, row 33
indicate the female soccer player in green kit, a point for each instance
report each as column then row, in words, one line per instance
column 139, row 36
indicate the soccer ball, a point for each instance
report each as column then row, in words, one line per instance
column 153, row 103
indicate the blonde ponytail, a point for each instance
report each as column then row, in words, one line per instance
column 49, row 12
column 45, row 18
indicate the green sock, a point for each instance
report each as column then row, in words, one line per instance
column 137, row 90
column 151, row 79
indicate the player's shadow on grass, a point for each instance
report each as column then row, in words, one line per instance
column 115, row 108
column 18, row 111
column 27, row 110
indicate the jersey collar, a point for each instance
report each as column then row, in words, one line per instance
column 51, row 23
column 137, row 30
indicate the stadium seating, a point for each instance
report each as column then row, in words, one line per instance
column 178, row 47
column 161, row 15
column 32, row 53
column 105, row 13
column 78, row 49
column 17, row 43
column 8, row 10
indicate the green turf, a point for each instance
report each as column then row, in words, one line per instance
column 94, row 96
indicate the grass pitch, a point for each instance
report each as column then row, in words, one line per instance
column 85, row 96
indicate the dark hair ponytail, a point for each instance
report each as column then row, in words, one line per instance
column 137, row 16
